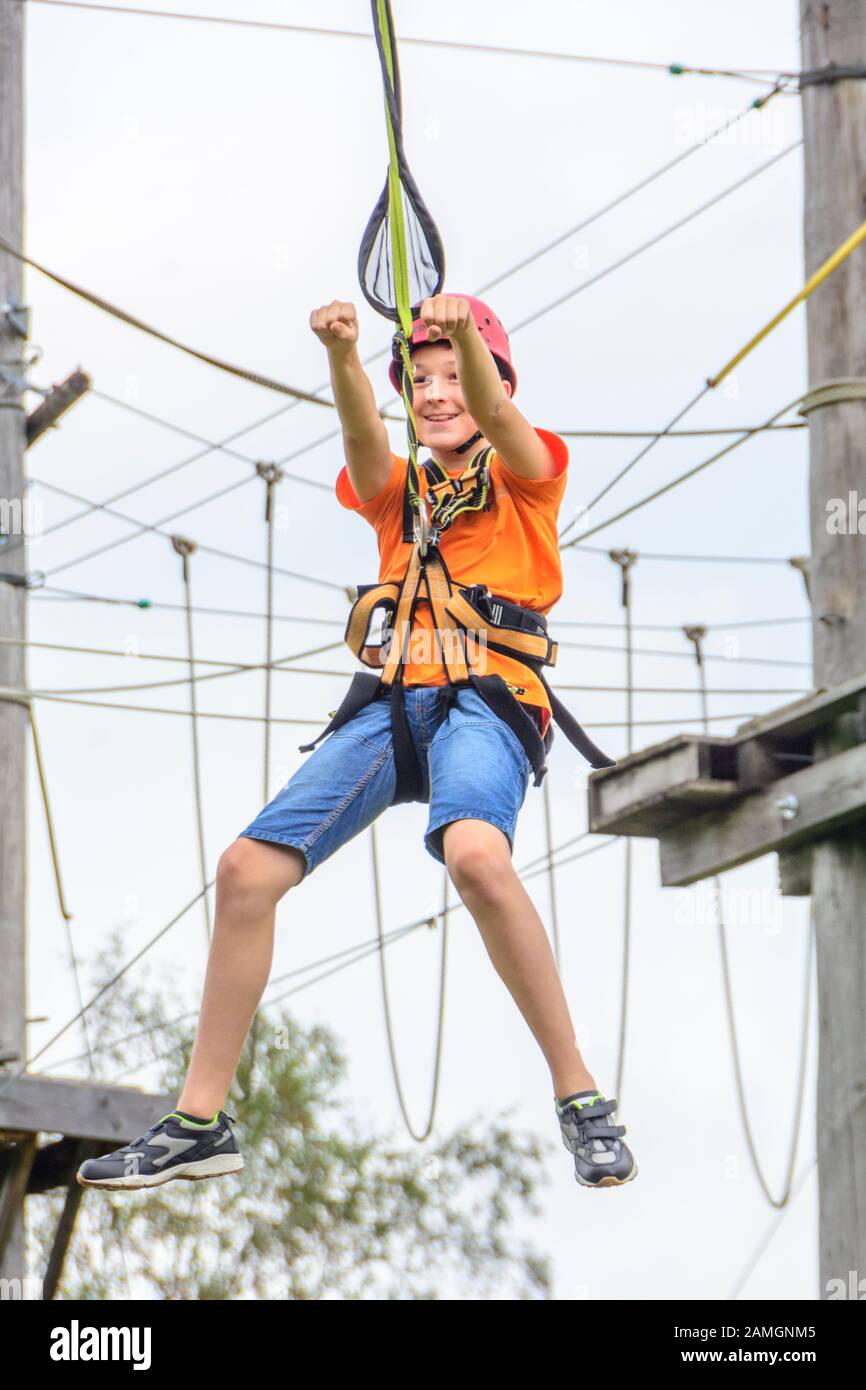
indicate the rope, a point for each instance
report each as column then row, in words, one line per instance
column 817, row 278
column 58, row 880
column 626, row 559
column 271, row 475
column 551, row 879
column 695, row 634
column 185, row 549
column 107, row 307
column 834, row 393
column 757, row 75
column 49, row 822
column 386, row 1003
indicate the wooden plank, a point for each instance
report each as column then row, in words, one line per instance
column 60, row 399
column 654, row 788
column 805, row 715
column 79, row 1109
column 795, row 871
column 830, row 793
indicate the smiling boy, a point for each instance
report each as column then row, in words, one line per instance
column 473, row 767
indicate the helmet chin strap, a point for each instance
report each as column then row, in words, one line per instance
column 461, row 448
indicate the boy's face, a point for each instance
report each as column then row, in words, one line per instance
column 440, row 412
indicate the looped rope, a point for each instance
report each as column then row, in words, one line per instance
column 834, row 393
column 15, row 697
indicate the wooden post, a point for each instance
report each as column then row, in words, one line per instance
column 834, row 150
column 13, row 716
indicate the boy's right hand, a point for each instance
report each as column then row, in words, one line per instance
column 335, row 325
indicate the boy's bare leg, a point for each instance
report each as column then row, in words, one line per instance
column 252, row 877
column 480, row 866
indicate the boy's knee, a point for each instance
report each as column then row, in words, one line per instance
column 253, row 873
column 477, row 857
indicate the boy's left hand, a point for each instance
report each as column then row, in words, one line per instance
column 446, row 316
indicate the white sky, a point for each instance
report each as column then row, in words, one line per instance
column 217, row 182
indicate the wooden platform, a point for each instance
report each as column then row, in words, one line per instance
column 715, row 802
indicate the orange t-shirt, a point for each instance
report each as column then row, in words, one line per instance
column 513, row 548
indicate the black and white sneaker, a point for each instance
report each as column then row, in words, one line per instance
column 175, row 1147
column 601, row 1159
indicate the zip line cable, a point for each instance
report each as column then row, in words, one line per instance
column 817, row 278
column 682, row 478
column 672, row 69
column 678, row 434
column 630, row 192
column 653, row 241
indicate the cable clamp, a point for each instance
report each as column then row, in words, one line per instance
column 34, row 579
column 833, row 72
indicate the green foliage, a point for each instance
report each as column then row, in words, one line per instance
column 324, row 1208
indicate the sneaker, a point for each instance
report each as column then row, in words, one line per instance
column 601, row 1159
column 174, row 1147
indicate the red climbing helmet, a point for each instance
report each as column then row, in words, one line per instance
column 488, row 325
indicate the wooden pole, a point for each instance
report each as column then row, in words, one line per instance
column 13, row 717
column 834, row 150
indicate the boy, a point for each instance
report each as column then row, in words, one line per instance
column 475, row 769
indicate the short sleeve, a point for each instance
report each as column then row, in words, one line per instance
column 550, row 491
column 375, row 508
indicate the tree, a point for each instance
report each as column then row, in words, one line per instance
column 322, row 1210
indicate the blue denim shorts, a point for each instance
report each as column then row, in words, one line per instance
column 473, row 766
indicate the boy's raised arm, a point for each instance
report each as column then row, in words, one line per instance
column 365, row 438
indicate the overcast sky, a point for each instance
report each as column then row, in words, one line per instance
column 216, row 182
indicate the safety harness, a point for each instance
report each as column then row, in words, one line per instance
column 460, row 614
